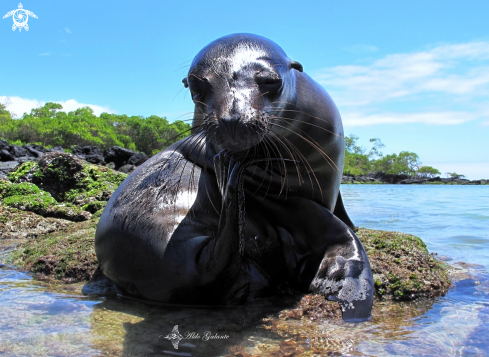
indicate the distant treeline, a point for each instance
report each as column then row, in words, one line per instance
column 50, row 126
column 360, row 161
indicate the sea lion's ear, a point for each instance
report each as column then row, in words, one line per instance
column 296, row 65
column 185, row 82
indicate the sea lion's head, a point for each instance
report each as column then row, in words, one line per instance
column 238, row 84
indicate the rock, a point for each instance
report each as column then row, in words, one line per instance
column 388, row 178
column 18, row 151
column 119, row 156
column 110, row 165
column 4, row 145
column 137, row 159
column 127, row 168
column 6, row 167
column 5, row 155
column 26, row 196
column 402, row 267
column 92, row 154
column 36, row 151
column 416, row 181
column 53, row 254
column 61, row 185
column 56, row 149
column 18, row 224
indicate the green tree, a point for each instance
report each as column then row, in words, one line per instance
column 454, row 175
column 427, row 171
column 50, row 126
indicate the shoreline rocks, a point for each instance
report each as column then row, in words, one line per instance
column 117, row 158
column 52, row 206
column 59, row 185
column 381, row 178
column 126, row 161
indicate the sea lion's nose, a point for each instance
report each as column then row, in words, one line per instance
column 228, row 125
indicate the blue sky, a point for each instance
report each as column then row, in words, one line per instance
column 414, row 73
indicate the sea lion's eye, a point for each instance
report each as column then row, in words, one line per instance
column 198, row 87
column 269, row 84
column 195, row 95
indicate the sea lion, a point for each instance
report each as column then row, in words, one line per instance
column 245, row 202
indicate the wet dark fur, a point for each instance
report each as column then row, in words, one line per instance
column 244, row 203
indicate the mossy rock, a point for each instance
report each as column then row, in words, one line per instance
column 24, row 188
column 39, row 203
column 69, row 179
column 26, row 196
column 17, row 224
column 68, row 254
column 24, row 172
column 4, row 184
column 401, row 266
column 94, row 206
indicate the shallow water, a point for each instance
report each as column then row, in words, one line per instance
column 38, row 319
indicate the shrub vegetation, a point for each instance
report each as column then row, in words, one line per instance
column 49, row 126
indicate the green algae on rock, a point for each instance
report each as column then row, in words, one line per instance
column 67, row 254
column 16, row 224
column 402, row 267
column 60, row 185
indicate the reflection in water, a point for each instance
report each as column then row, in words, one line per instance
column 38, row 320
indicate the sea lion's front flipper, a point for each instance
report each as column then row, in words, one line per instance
column 340, row 212
column 344, row 274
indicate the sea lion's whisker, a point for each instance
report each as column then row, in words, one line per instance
column 196, row 101
column 283, row 168
column 305, row 160
column 178, row 93
column 188, row 113
column 315, row 145
column 308, row 123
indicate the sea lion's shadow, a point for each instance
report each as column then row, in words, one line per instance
column 202, row 331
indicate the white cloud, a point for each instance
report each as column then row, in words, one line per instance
column 437, row 118
column 45, row 54
column 71, row 105
column 68, row 31
column 18, row 106
column 461, row 69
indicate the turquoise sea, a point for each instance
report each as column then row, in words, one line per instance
column 39, row 319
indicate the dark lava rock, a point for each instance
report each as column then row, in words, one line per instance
column 4, row 145
column 34, row 150
column 18, row 151
column 127, row 168
column 387, row 178
column 58, row 173
column 6, row 167
column 6, row 156
column 120, row 157
column 92, row 154
column 137, row 159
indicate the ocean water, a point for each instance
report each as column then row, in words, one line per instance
column 452, row 220
column 39, row 319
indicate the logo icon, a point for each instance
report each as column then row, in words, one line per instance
column 174, row 337
column 20, row 17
